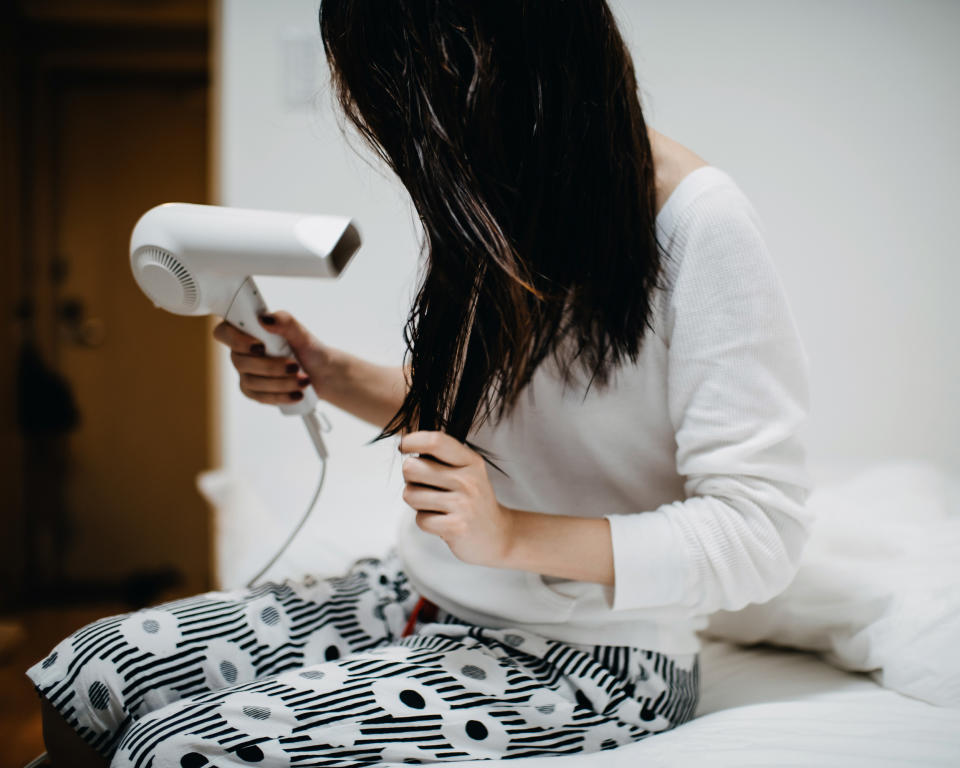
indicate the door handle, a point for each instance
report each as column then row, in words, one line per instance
column 76, row 327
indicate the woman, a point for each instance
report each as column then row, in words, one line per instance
column 599, row 419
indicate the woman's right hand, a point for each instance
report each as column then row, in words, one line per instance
column 277, row 380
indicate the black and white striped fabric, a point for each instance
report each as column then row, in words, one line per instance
column 317, row 673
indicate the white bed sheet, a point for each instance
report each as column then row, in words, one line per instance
column 759, row 706
column 763, row 706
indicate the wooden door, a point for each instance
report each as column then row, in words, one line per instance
column 105, row 114
column 139, row 375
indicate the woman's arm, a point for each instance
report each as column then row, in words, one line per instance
column 369, row 391
column 737, row 398
column 447, row 483
column 578, row 548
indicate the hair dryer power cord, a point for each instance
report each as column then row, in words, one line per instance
column 315, row 427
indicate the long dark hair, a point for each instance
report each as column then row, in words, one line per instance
column 516, row 128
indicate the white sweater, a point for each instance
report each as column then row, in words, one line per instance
column 692, row 453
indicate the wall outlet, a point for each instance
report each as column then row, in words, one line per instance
column 300, row 71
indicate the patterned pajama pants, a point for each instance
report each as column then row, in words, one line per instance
column 321, row 673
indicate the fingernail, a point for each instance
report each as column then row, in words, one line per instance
column 303, row 381
column 268, row 319
column 292, row 367
column 296, row 395
column 258, row 349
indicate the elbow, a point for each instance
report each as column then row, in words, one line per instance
column 793, row 537
column 779, row 572
column 754, row 548
column 773, row 551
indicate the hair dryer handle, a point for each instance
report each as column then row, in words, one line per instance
column 244, row 312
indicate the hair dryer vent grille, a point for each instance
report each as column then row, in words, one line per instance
column 167, row 281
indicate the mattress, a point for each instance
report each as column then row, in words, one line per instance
column 763, row 706
column 759, row 705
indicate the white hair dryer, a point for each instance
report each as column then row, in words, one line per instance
column 200, row 259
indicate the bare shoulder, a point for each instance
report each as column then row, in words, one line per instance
column 672, row 161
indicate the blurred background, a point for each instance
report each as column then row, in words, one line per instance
column 838, row 118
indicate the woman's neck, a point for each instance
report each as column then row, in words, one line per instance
column 671, row 163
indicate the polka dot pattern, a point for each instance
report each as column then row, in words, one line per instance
column 258, row 715
column 317, row 670
column 227, row 663
column 403, row 696
column 412, row 699
column 549, row 709
column 269, row 621
column 250, row 754
column 476, row 730
column 229, row 671
column 478, row 733
column 473, row 671
column 607, row 735
column 99, row 695
column 476, row 664
column 152, row 630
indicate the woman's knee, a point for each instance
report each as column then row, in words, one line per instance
column 78, row 683
column 98, row 679
column 244, row 725
column 189, row 733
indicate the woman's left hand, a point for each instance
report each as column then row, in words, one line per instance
column 448, row 486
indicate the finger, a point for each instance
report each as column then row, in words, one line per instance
column 425, row 471
column 264, row 366
column 272, row 384
column 433, row 522
column 286, row 325
column 237, row 340
column 270, row 398
column 426, row 499
column 439, row 445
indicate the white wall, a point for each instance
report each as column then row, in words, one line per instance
column 279, row 155
column 839, row 119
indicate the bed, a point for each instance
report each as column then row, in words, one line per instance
column 767, row 706
column 879, row 587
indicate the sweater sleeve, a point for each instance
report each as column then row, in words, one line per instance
column 737, row 398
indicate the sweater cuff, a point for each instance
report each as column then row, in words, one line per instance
column 649, row 562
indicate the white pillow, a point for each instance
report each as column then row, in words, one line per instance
column 878, row 586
